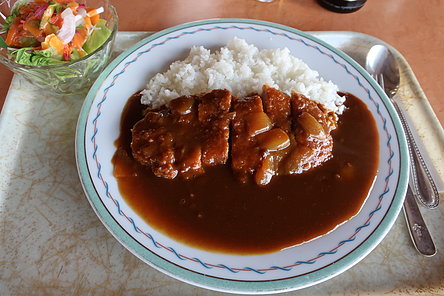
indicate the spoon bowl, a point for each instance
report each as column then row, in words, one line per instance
column 381, row 60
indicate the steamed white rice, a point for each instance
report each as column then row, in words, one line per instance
column 243, row 69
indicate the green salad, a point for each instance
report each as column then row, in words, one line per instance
column 51, row 32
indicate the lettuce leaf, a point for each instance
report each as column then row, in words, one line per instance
column 8, row 22
column 98, row 37
column 3, row 43
column 27, row 56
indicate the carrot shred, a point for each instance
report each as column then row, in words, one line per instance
column 78, row 40
column 87, row 22
column 94, row 16
column 57, row 20
column 13, row 32
column 66, row 53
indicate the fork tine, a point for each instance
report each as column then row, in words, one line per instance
column 381, row 81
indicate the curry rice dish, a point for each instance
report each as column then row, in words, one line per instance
column 245, row 175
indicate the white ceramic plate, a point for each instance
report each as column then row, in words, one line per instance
column 290, row 269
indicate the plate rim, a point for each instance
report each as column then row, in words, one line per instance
column 226, row 285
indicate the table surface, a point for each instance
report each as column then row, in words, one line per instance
column 393, row 20
column 54, row 244
column 415, row 28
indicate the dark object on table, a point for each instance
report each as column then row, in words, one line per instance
column 342, row 6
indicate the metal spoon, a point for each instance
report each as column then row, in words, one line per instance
column 381, row 64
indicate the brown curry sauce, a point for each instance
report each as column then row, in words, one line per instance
column 215, row 212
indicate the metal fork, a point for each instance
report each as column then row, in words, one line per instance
column 421, row 238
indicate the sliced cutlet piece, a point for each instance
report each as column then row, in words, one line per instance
column 168, row 140
column 214, row 117
column 187, row 143
column 278, row 109
column 327, row 118
column 312, row 124
column 245, row 152
column 152, row 144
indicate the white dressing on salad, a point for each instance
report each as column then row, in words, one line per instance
column 67, row 31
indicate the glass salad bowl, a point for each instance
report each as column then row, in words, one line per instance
column 74, row 76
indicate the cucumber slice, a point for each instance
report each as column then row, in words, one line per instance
column 98, row 37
